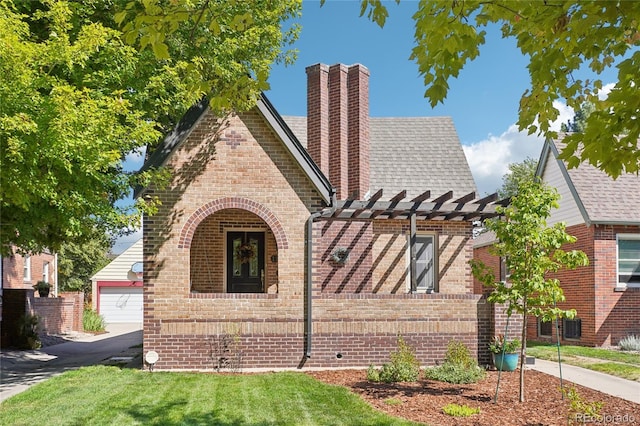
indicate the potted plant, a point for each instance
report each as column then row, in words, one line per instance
column 505, row 353
column 43, row 288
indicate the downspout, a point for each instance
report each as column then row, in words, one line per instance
column 308, row 333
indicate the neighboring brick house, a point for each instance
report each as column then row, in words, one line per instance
column 23, row 271
column 298, row 252
column 58, row 313
column 603, row 214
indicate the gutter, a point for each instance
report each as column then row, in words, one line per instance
column 308, row 331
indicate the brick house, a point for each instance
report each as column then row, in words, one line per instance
column 313, row 241
column 58, row 313
column 603, row 214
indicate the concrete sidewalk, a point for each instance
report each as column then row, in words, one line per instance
column 21, row 369
column 621, row 388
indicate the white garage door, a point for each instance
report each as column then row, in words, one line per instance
column 121, row 304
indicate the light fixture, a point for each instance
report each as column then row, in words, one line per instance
column 151, row 358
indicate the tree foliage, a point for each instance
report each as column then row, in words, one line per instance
column 561, row 38
column 84, row 83
column 531, row 250
column 77, row 263
column 579, row 121
column 518, row 172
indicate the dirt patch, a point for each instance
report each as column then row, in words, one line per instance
column 423, row 401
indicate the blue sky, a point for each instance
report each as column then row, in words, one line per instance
column 483, row 100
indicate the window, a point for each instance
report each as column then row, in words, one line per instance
column 27, row 268
column 544, row 328
column 426, row 264
column 504, row 272
column 45, row 272
column 572, row 328
column 628, row 260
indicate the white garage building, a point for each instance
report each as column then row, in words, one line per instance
column 117, row 288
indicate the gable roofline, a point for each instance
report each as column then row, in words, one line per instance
column 295, row 148
column 193, row 116
column 548, row 149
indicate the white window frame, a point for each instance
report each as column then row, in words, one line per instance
column 26, row 268
column 618, row 238
column 434, row 238
column 45, row 272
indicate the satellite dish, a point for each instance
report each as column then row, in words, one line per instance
column 151, row 358
column 135, row 273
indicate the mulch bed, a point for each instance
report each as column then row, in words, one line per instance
column 422, row 401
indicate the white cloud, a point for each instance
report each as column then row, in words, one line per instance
column 566, row 114
column 489, row 159
column 134, row 159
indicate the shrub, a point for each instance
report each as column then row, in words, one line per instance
column 458, row 367
column 454, row 373
column 404, row 367
column 630, row 343
column 28, row 332
column 579, row 408
column 456, row 410
column 458, row 354
column 373, row 375
column 92, row 321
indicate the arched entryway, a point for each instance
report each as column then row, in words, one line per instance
column 233, row 248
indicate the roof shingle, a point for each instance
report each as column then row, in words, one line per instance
column 412, row 153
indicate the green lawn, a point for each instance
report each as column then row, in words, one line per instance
column 113, row 396
column 609, row 361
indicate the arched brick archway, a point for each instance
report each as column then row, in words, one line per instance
column 232, row 203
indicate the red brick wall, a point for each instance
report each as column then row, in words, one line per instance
column 59, row 314
column 493, row 320
column 617, row 312
column 606, row 315
column 354, row 276
column 484, row 255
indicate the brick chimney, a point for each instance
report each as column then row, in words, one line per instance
column 338, row 125
column 318, row 115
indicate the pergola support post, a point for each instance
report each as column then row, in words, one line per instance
column 413, row 270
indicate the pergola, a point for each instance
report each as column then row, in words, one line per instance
column 422, row 207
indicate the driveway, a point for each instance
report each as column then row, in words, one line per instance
column 21, row 369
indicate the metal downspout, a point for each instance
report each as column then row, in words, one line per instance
column 308, row 332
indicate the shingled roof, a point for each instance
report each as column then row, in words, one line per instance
column 601, row 199
column 412, row 154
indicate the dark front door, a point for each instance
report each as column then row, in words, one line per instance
column 245, row 262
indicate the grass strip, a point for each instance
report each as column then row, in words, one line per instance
column 620, row 364
column 107, row 395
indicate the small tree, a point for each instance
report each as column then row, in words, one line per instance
column 531, row 249
column 518, row 172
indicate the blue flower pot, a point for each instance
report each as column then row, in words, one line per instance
column 506, row 362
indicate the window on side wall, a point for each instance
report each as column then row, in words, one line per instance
column 426, row 263
column 45, row 272
column 572, row 328
column 27, row 268
column 629, row 260
column 544, row 328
